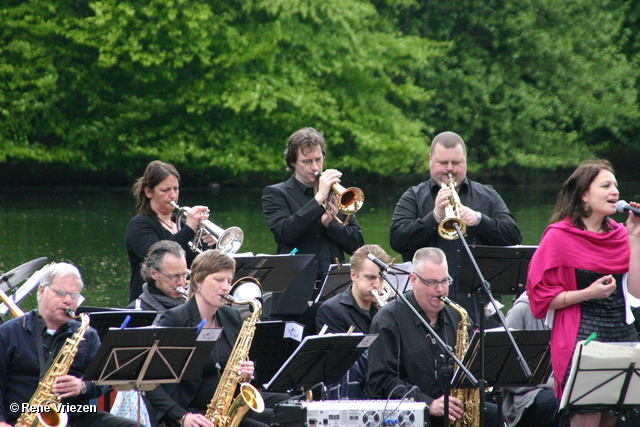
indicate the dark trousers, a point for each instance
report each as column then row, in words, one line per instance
column 543, row 411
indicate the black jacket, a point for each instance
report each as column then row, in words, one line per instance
column 295, row 221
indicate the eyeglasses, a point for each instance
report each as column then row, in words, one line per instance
column 74, row 295
column 432, row 283
column 176, row 277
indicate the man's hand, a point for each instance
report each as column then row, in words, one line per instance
column 455, row 408
column 67, row 386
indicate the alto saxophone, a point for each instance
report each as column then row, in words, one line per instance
column 470, row 397
column 224, row 410
column 44, row 395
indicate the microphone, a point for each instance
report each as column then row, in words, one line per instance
column 381, row 265
column 623, row 206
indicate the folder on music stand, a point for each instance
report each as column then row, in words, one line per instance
column 502, row 367
column 273, row 342
column 320, row 358
column 275, row 272
column 603, row 376
column 504, row 267
column 102, row 321
column 142, row 358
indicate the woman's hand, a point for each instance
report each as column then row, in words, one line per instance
column 196, row 420
column 246, row 369
column 195, row 215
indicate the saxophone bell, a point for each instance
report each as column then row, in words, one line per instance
column 52, row 418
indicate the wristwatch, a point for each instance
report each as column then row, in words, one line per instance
column 479, row 215
column 84, row 388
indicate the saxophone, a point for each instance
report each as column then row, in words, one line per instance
column 44, row 395
column 470, row 397
column 224, row 410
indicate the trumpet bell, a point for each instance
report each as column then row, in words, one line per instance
column 231, row 240
column 246, row 288
column 447, row 229
column 350, row 200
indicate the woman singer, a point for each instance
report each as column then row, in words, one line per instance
column 186, row 403
column 154, row 192
column 582, row 274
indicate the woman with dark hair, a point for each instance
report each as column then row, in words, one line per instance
column 581, row 275
column 154, row 191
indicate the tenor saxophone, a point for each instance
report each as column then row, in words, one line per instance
column 44, row 395
column 224, row 410
column 470, row 397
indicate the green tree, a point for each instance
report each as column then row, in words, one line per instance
column 217, row 86
column 530, row 83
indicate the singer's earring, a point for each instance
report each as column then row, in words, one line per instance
column 587, row 211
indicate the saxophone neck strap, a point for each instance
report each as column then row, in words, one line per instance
column 40, row 327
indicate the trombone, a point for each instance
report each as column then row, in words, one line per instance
column 447, row 229
column 229, row 240
column 350, row 200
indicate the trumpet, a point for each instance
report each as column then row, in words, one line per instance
column 350, row 200
column 447, row 229
column 382, row 297
column 229, row 240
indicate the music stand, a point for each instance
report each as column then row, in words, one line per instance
column 275, row 272
column 505, row 267
column 299, row 293
column 502, row 367
column 273, row 342
column 336, row 280
column 320, row 358
column 142, row 358
column 603, row 376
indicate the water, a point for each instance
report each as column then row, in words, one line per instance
column 86, row 227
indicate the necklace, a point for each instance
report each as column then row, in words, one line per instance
column 169, row 226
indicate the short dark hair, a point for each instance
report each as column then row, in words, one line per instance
column 209, row 262
column 358, row 257
column 303, row 139
column 156, row 255
column 448, row 140
column 154, row 174
column 569, row 203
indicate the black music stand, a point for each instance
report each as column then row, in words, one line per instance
column 142, row 358
column 502, row 367
column 603, row 376
column 273, row 342
column 320, row 358
column 336, row 280
column 275, row 272
column 505, row 267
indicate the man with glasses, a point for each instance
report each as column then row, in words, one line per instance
column 30, row 343
column 165, row 273
column 421, row 209
column 405, row 359
column 297, row 217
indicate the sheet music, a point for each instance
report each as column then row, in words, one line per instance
column 598, row 372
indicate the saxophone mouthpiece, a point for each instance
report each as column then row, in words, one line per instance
column 444, row 300
column 70, row 312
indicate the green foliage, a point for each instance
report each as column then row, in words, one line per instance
column 219, row 86
column 216, row 87
column 535, row 83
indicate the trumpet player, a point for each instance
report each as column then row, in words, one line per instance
column 421, row 209
column 165, row 273
column 298, row 216
column 154, row 191
column 356, row 307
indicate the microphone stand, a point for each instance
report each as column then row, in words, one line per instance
column 487, row 292
column 447, row 351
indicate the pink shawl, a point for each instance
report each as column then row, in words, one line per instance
column 563, row 248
